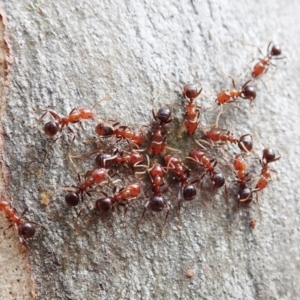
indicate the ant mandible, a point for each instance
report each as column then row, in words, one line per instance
column 262, row 66
column 192, row 115
column 158, row 144
column 246, row 92
column 26, row 229
column 76, row 115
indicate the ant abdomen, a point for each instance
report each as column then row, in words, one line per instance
column 189, row 192
column 72, row 199
column 157, row 203
column 104, row 204
column 51, row 128
column 26, row 231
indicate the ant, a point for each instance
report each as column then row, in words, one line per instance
column 25, row 229
column 182, row 173
column 245, row 142
column 96, row 176
column 158, row 144
column 265, row 175
column 123, row 197
column 253, row 224
column 156, row 203
column 263, row 64
column 76, row 115
column 105, row 130
column 199, row 156
column 228, row 96
column 192, row 115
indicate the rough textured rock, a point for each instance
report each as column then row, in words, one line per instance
column 69, row 55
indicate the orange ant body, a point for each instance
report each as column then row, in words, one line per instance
column 25, row 229
column 192, row 115
column 158, row 144
column 132, row 159
column 156, row 203
column 220, row 135
column 105, row 130
column 262, row 66
column 265, row 175
column 76, row 115
column 199, row 156
column 228, row 96
column 122, row 198
column 182, row 173
column 97, row 176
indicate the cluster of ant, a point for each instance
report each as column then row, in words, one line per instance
column 170, row 167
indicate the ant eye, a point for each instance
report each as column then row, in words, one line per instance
column 72, row 199
column 26, row 231
column 51, row 128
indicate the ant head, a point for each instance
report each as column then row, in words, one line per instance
column 269, row 155
column 104, row 130
column 103, row 160
column 164, row 115
column 246, row 143
column 249, row 92
column 191, row 91
column 189, row 192
column 26, row 231
column 51, row 128
column 72, row 199
column 217, row 179
column 104, row 204
column 157, row 203
column 275, row 51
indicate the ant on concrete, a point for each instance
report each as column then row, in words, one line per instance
column 246, row 92
column 182, row 173
column 158, row 144
column 156, row 203
column 96, row 176
column 263, row 64
column 76, row 115
column 192, row 115
column 123, row 197
column 105, row 130
column 26, row 229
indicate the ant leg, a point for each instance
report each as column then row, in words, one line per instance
column 179, row 207
column 138, row 223
column 167, row 214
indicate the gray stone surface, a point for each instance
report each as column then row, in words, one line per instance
column 69, row 55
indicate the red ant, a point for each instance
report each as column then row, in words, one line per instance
column 158, row 144
column 97, row 176
column 221, row 135
column 76, row 115
column 105, row 130
column 265, row 175
column 192, row 115
column 245, row 92
column 157, row 203
column 199, row 156
column 182, row 173
column 133, row 158
column 262, row 66
column 123, row 197
column 26, row 229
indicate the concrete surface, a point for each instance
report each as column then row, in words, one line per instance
column 71, row 54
